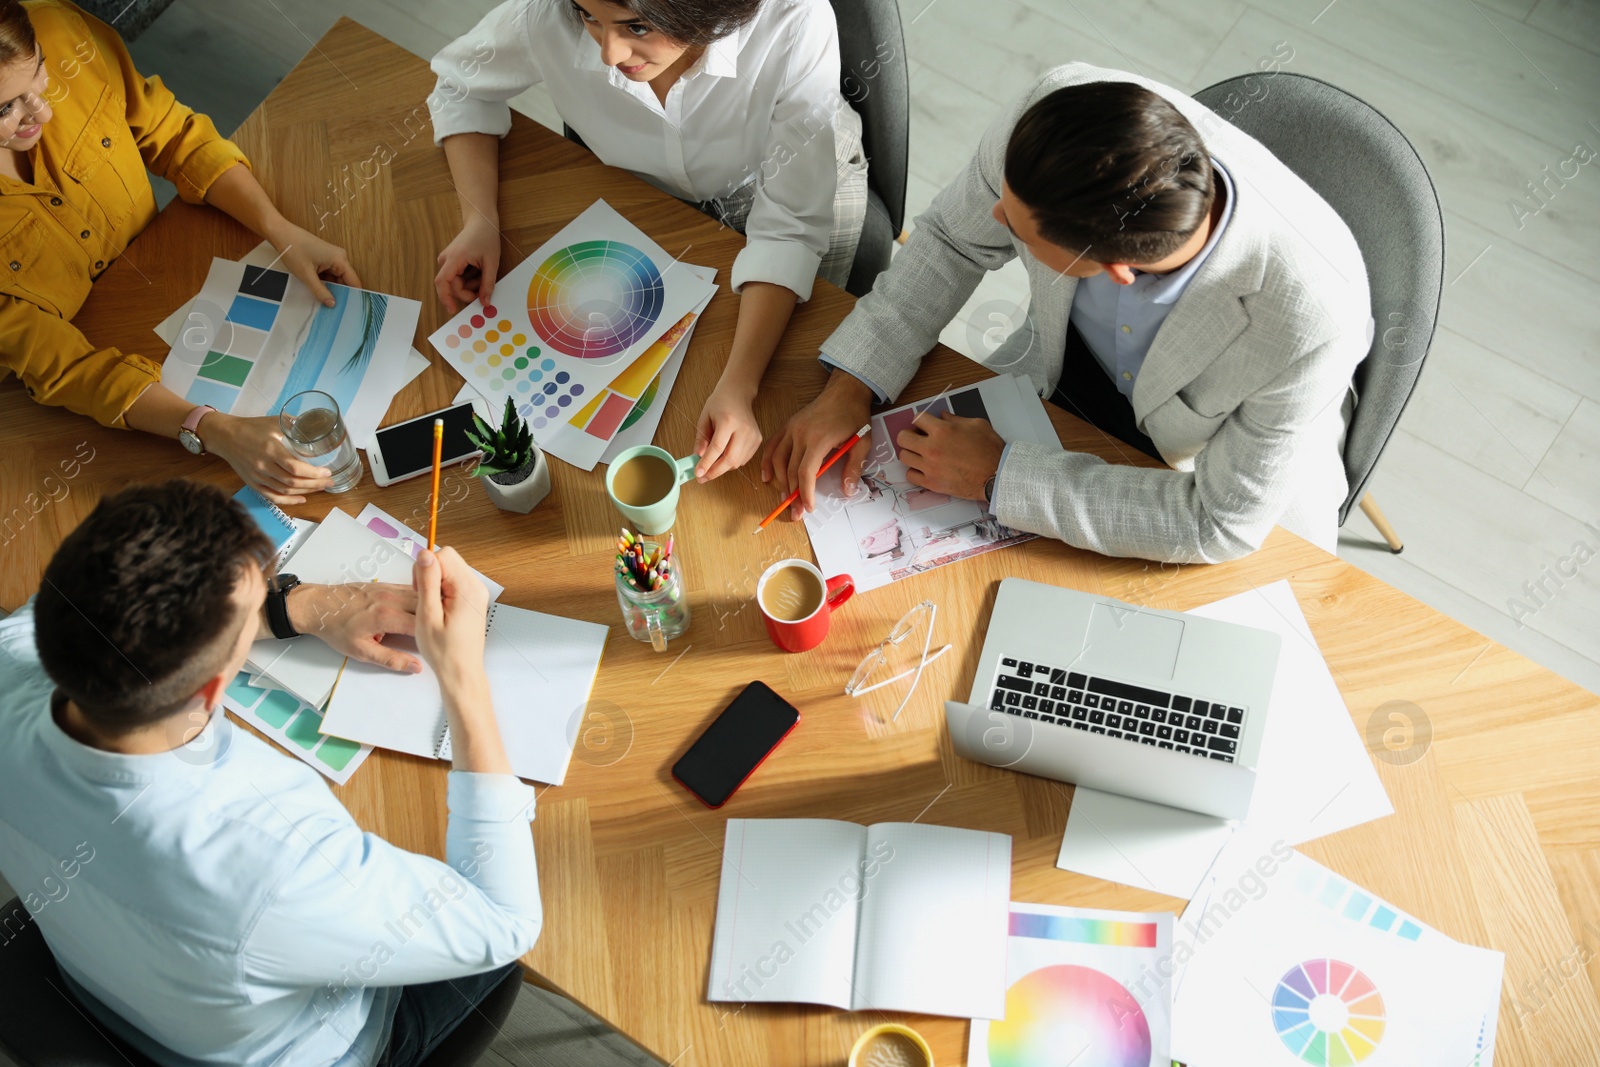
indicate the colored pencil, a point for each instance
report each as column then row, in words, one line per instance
column 433, row 502
column 838, row 454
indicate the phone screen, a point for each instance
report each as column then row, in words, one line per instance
column 408, row 447
column 735, row 744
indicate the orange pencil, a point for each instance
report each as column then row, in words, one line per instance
column 837, row 455
column 433, row 502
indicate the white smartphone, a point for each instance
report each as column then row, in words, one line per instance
column 405, row 450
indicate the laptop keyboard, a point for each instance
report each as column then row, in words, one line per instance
column 1181, row 722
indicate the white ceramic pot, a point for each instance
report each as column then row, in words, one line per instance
column 519, row 490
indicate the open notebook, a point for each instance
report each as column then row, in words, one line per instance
column 541, row 668
column 894, row 916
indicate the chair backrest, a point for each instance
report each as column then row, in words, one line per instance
column 1368, row 172
column 41, row 1023
column 875, row 79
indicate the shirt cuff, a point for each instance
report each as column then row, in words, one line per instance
column 993, row 511
column 827, row 361
column 121, row 388
column 786, row 263
column 489, row 797
column 464, row 114
column 204, row 166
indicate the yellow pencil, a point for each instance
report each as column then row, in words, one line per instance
column 433, row 503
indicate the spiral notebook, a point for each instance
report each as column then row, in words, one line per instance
column 541, row 669
column 285, row 533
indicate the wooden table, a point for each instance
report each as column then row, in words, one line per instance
column 1495, row 831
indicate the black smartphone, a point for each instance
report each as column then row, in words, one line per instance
column 405, row 449
column 734, row 745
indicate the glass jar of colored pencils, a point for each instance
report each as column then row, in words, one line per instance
column 650, row 591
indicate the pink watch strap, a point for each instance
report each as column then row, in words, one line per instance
column 193, row 418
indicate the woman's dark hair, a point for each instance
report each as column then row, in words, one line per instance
column 137, row 606
column 1112, row 171
column 16, row 33
column 694, row 23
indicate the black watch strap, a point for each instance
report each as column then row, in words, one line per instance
column 278, row 606
column 988, row 489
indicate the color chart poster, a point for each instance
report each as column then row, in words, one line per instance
column 1087, row 988
column 255, row 336
column 565, row 323
column 1287, row 964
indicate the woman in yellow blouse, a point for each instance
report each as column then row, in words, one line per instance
column 78, row 128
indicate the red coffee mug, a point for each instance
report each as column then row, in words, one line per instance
column 802, row 635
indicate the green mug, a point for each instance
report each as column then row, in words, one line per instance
column 643, row 484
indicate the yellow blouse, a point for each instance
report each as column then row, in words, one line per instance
column 89, row 199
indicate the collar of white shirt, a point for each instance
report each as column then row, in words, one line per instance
column 720, row 59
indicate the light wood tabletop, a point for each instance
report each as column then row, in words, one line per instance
column 1494, row 836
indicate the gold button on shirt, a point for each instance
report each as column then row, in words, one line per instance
column 90, row 197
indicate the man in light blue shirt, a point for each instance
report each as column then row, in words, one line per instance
column 206, row 897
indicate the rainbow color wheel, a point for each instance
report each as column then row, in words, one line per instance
column 1328, row 1013
column 1069, row 1014
column 593, row 299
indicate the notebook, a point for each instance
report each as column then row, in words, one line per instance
column 285, row 533
column 891, row 917
column 339, row 550
column 541, row 668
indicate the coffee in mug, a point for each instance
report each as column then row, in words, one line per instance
column 643, row 480
column 891, row 1045
column 791, row 594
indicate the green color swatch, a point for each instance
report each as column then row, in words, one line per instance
column 241, row 690
column 304, row 730
column 221, row 367
column 336, row 752
column 277, row 708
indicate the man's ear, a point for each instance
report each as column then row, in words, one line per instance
column 210, row 693
column 1120, row 273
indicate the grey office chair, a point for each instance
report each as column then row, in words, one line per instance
column 129, row 18
column 1368, row 172
column 874, row 79
column 43, row 1025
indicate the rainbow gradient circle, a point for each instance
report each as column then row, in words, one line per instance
column 593, row 299
column 1070, row 1014
column 1328, row 1013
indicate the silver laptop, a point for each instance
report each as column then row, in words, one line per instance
column 1151, row 704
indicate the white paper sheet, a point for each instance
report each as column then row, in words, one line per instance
column 1277, row 952
column 889, row 529
column 570, row 318
column 253, row 337
column 1084, row 987
column 1315, row 778
column 411, row 542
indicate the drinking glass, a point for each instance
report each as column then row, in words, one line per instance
column 659, row 615
column 316, row 432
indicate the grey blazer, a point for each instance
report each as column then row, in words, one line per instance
column 1246, row 388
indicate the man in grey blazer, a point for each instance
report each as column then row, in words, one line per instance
column 1189, row 295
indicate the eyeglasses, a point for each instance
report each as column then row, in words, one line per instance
column 865, row 679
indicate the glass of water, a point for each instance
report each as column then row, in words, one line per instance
column 315, row 431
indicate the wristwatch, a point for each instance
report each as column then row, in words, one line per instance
column 988, row 490
column 278, row 606
column 187, row 437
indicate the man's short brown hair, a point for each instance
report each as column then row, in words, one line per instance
column 137, row 606
column 1111, row 171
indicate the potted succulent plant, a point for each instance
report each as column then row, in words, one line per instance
column 513, row 469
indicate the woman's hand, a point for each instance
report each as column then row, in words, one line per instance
column 727, row 434
column 257, row 451
column 469, row 265
column 311, row 259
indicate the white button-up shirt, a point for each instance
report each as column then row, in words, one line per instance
column 758, row 106
column 1119, row 323
column 216, row 904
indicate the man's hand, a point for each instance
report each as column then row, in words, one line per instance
column 311, row 259
column 451, row 608
column 951, row 454
column 354, row 618
column 793, row 457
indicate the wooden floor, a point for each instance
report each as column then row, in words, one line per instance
column 1493, row 477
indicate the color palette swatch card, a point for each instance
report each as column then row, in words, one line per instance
column 255, row 336
column 1282, row 962
column 889, row 917
column 294, row 725
column 410, row 542
column 571, row 317
column 1086, row 987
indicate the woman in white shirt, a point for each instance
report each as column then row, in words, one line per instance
column 731, row 105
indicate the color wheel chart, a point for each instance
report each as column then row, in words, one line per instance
column 1328, row 1013
column 594, row 299
column 1070, row 1013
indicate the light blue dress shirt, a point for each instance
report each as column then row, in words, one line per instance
column 1120, row 322
column 217, row 905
